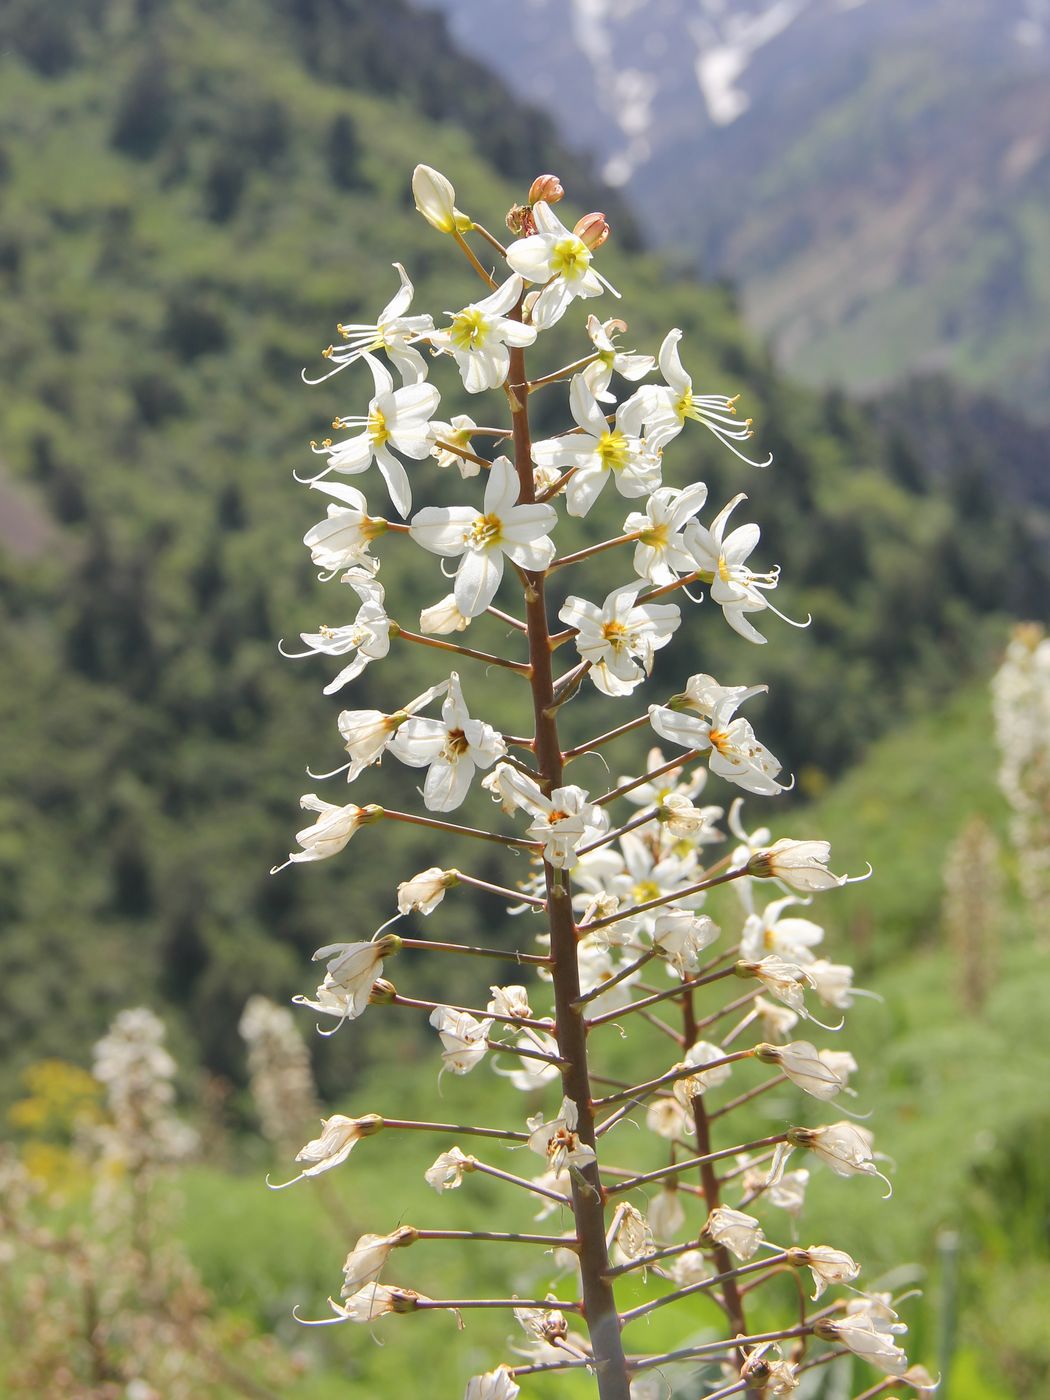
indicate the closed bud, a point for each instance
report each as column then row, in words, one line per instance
column 383, row 992
column 436, row 201
column 546, row 187
column 592, row 230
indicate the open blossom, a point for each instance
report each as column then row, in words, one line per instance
column 611, row 357
column 351, row 970
column 681, row 936
column 558, row 1140
column 493, row 1385
column 833, row 983
column 739, row 1232
column 734, row 587
column 464, row 1037
column 772, row 932
column 436, row 201
column 448, row 1170
column 802, row 1064
column 702, row 718
column 621, row 637
column 481, row 336
column 667, row 1118
column 561, row 821
column 397, row 419
column 512, row 1000
column 458, row 433
column 329, row 833
column 561, row 260
column 826, row 1264
column 802, row 865
column 671, row 404
column 365, row 1261
column 600, row 451
column 686, row 822
column 367, row 638
column 343, row 538
column 451, row 749
column 392, row 331
column 425, row 891
column 339, row 1136
column 701, row 1054
column 483, row 538
column 661, row 555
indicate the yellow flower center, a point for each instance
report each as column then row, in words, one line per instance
column 615, row 633
column 723, row 569
column 377, row 428
column 469, row 329
column 456, row 744
column 656, row 538
column 612, row 449
column 570, row 259
column 685, row 408
column 645, row 890
column 485, row 532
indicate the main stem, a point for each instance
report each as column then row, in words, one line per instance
column 599, row 1303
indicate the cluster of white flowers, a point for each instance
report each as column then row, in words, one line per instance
column 626, row 930
column 138, row 1075
column 282, row 1081
column 1021, row 697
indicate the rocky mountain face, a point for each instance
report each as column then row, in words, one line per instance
column 874, row 173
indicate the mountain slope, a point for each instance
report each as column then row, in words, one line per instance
column 194, row 196
column 874, row 173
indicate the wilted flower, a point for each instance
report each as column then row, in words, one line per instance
column 558, row 1140
column 464, row 1037
column 352, row 968
column 805, row 1068
column 339, row 1136
column 682, row 935
column 845, row 1147
column 803, row 865
column 827, row 1266
column 739, row 1232
column 634, row 1238
column 493, row 1385
column 365, row 1261
column 330, row 832
column 425, row 891
column 865, row 1340
column 700, row 1054
column 448, row 1170
column 665, row 1214
column 784, row 980
column 367, row 637
column 689, row 1267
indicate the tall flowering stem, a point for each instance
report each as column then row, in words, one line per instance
column 619, row 891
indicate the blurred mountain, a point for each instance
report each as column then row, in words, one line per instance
column 194, row 195
column 874, row 173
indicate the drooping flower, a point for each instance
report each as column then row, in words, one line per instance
column 558, row 1140
column 351, row 970
column 784, row 980
column 734, row 587
column 397, row 419
column 367, row 734
column 681, row 936
column 845, row 1147
column 367, row 637
column 661, row 554
column 665, row 1214
column 826, row 1264
column 366, row 1260
column 634, row 1238
column 689, row 1267
column 512, row 1000
column 482, row 538
column 451, row 749
column 425, row 891
column 329, row 833
column 481, row 336
column 671, row 404
column 443, row 618
column 392, row 331
column 701, row 1054
column 621, row 637
column 561, row 260
column 739, row 1232
column 528, row 1074
column 736, row 753
column 339, row 1136
column 772, row 1375
column 611, row 357
column 600, row 451
column 447, row 1171
column 463, row 1036
column 865, row 1340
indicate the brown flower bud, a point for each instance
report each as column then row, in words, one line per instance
column 546, row 187
column 593, row 230
column 383, row 992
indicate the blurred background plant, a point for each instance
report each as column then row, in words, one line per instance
column 192, row 196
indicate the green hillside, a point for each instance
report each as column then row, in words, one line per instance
column 193, row 196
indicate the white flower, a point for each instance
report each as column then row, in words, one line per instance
column 689, row 1267
column 443, row 617
column 373, row 1301
column 561, row 821
column 558, row 258
column 827, row 1266
column 789, row 1193
column 447, row 1172
column 686, row 822
column 493, row 1385
column 784, row 980
column 483, row 538
column 339, row 1136
column 776, row 1020
column 464, row 1037
column 396, row 418
column 845, row 1147
column 773, row 1377
column 669, row 783
column 667, row 1118
column 736, row 753
column 558, row 1140
column 769, row 932
column 802, row 1064
column 682, row 935
column 393, row 331
column 671, row 404
column 366, row 1260
column 661, row 555
column 832, row 982
column 700, row 1054
column 600, row 450
column 734, row 587
column 458, row 433
column 351, row 970
column 865, row 1340
column 620, row 638
column 840, row 1062
column 610, row 357
column 481, row 336
column 436, row 201
column 802, row 865
column 739, row 1232
column 451, row 749
column 512, row 1000
column 542, row 1324
column 342, row 540
column 329, row 833
column 425, row 891
column 530, row 1074
column 368, row 733
column 665, row 1215
column 368, row 636
column 634, row 1238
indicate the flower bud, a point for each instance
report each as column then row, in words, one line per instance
column 436, row 201
column 441, row 618
column 383, row 992
column 546, row 187
column 592, row 230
